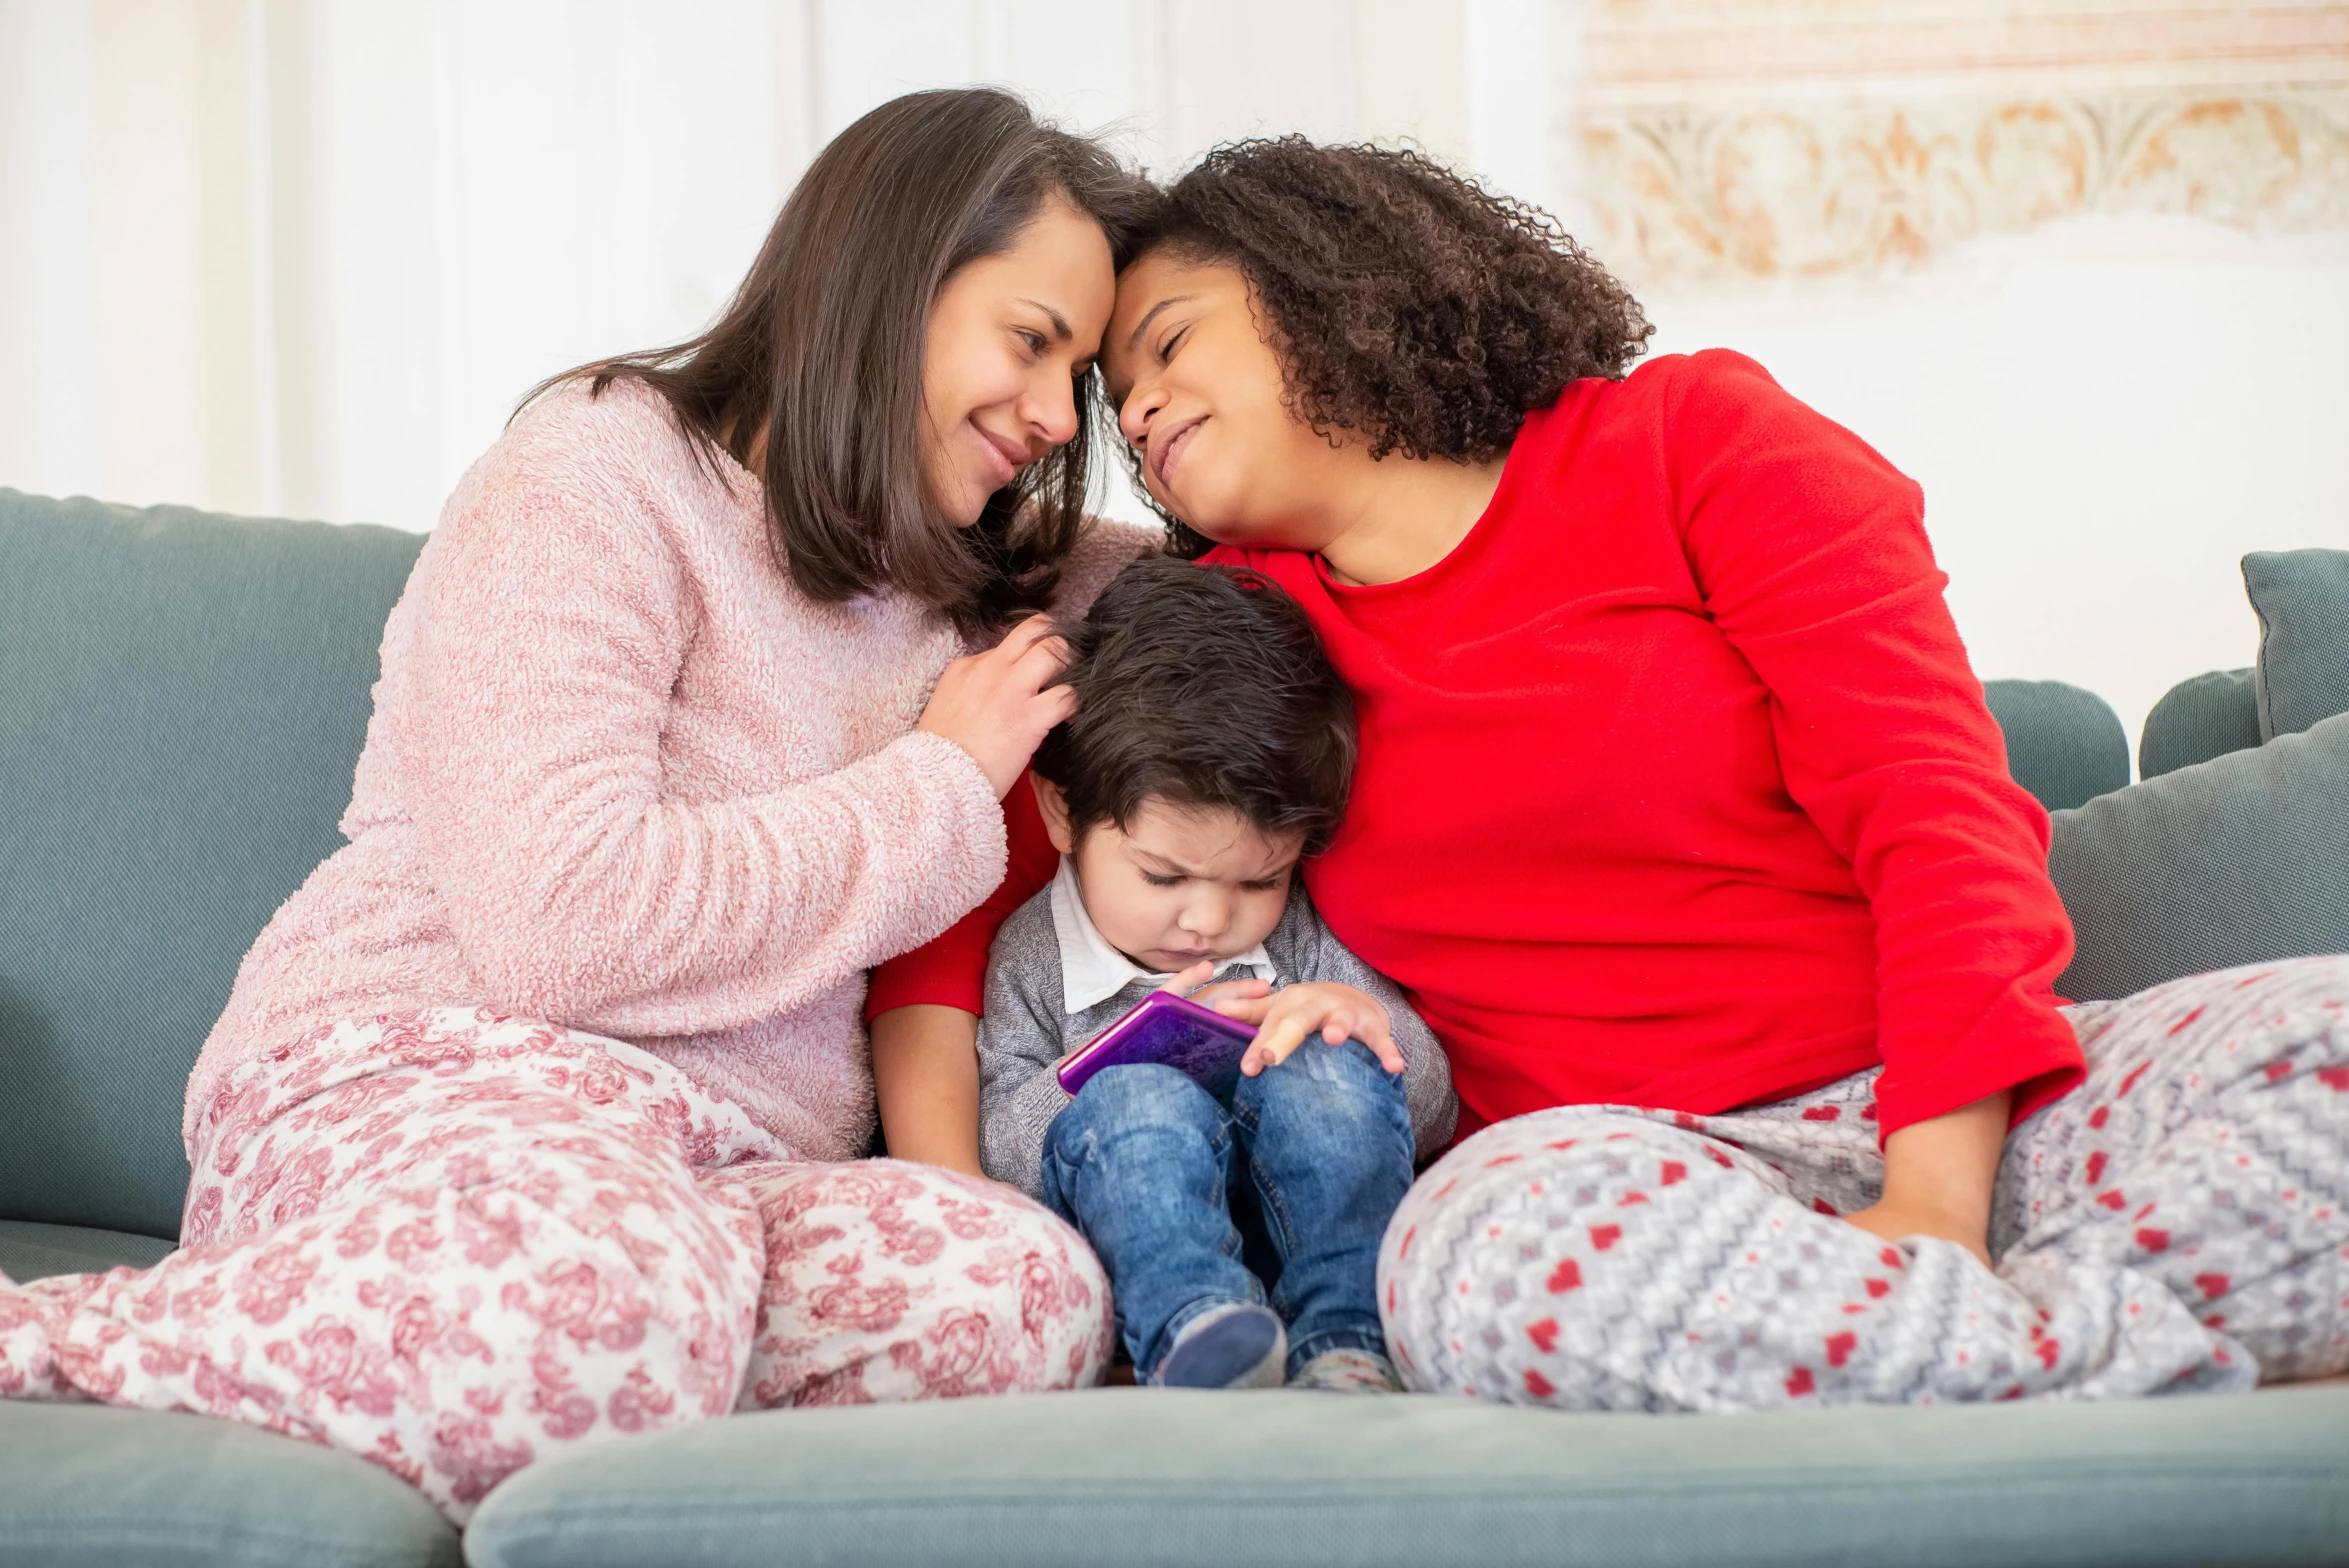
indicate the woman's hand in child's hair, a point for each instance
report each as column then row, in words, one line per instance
column 1288, row 1018
column 998, row 705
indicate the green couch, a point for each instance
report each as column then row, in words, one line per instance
column 181, row 700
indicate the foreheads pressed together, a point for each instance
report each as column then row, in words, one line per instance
column 910, row 366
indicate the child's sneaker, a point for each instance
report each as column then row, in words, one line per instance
column 1349, row 1372
column 1236, row 1346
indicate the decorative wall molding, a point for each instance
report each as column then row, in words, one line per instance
column 1808, row 137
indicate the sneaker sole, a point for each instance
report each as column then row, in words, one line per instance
column 1227, row 1353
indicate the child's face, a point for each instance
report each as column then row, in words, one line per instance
column 1178, row 883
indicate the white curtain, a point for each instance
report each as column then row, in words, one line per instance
column 302, row 256
column 2081, row 266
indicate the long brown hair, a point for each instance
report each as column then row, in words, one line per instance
column 820, row 353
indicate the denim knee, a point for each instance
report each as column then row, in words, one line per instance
column 1334, row 1083
column 1135, row 1094
column 1142, row 1094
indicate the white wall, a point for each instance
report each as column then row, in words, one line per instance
column 2105, row 416
column 303, row 255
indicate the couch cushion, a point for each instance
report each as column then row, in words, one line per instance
column 90, row 1487
column 1169, row 1476
column 2235, row 861
column 2063, row 744
column 182, row 698
column 2198, row 719
column 2302, row 597
column 31, row 1250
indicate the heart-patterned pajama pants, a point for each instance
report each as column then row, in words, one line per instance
column 455, row 1243
column 2178, row 1222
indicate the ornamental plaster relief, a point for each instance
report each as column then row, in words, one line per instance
column 1806, row 137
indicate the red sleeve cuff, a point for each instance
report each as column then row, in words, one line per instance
column 2050, row 1086
column 2039, row 1060
column 949, row 971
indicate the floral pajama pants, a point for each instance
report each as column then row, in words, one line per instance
column 2178, row 1222
column 455, row 1243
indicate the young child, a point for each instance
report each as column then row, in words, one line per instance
column 1211, row 749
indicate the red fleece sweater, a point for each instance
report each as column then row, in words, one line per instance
column 1676, row 788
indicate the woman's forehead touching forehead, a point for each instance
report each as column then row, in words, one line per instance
column 1144, row 281
column 1060, row 266
column 1149, row 289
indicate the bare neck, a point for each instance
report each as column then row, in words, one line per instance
column 1396, row 517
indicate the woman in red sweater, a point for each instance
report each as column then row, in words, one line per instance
column 1677, row 795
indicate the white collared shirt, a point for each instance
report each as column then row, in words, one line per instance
column 1092, row 971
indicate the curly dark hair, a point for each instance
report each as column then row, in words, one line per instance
column 1406, row 304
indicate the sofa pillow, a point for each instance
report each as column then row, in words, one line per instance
column 2239, row 860
column 2199, row 719
column 2302, row 597
column 82, row 1486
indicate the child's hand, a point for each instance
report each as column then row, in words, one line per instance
column 1248, row 988
column 1287, row 1019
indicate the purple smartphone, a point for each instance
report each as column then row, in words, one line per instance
column 1196, row 1041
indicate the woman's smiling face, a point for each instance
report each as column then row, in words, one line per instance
column 1199, row 394
column 1007, row 339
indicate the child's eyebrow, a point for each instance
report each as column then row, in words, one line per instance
column 1160, row 864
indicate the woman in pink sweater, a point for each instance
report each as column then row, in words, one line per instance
column 525, row 1124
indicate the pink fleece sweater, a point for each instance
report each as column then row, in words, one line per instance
column 622, row 776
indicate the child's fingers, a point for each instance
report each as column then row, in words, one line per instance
column 1198, row 974
column 1372, row 1030
column 1273, row 1045
column 1284, row 1037
column 1236, row 1000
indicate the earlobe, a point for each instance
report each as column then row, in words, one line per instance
column 1054, row 807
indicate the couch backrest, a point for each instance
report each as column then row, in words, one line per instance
column 182, row 698
column 2302, row 600
column 2202, row 717
column 2063, row 743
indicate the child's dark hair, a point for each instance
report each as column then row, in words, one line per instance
column 1202, row 686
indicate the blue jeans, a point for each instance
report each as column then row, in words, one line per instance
column 1150, row 1167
